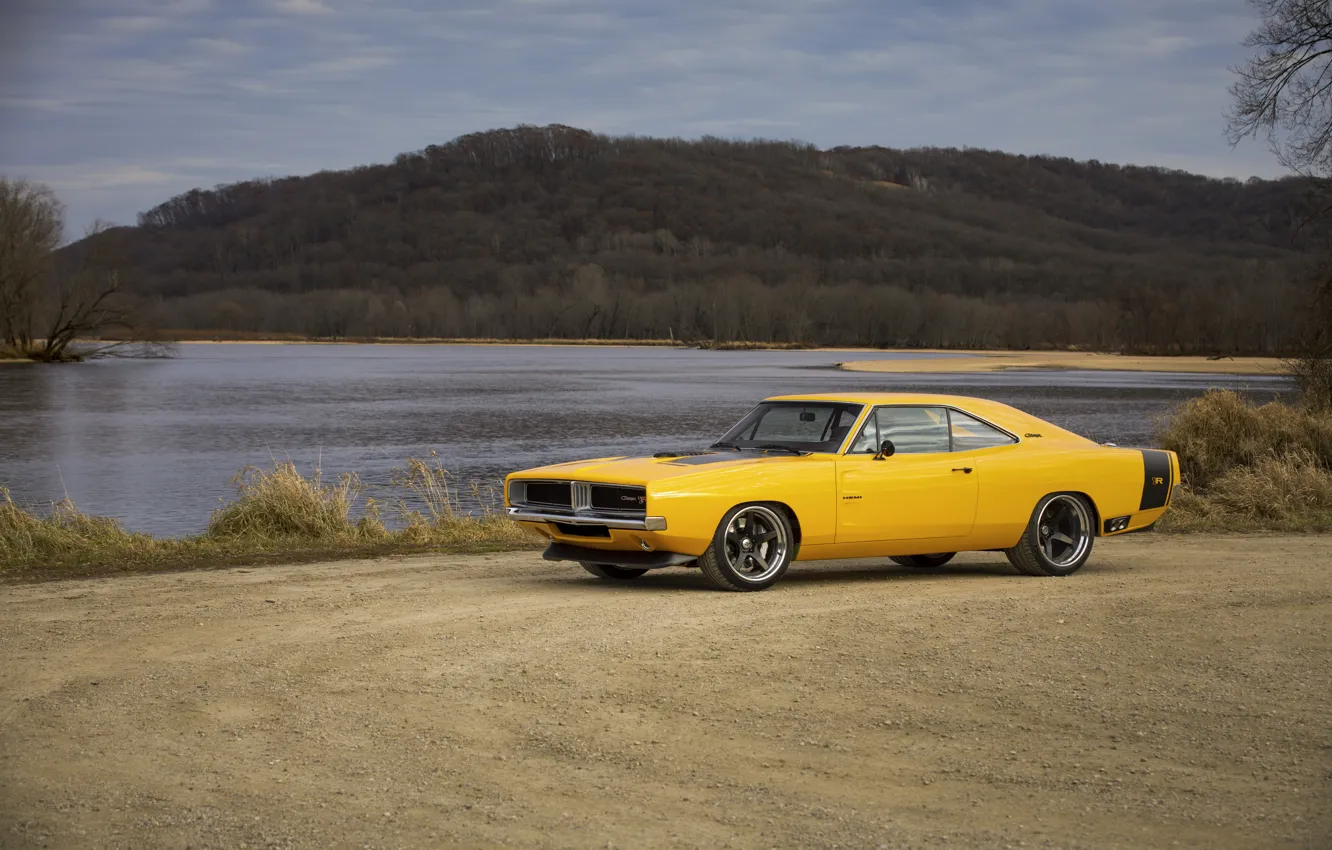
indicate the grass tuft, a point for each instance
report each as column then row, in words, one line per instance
column 280, row 503
column 63, row 533
column 1247, row 467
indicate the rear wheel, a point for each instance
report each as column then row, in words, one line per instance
column 752, row 548
column 1058, row 539
column 611, row 571
column 938, row 559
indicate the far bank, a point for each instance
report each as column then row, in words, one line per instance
column 948, row 361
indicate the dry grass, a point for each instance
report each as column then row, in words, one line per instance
column 1219, row 431
column 279, row 504
column 277, row 513
column 1248, row 467
column 61, row 534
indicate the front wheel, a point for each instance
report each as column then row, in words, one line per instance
column 752, row 548
column 1058, row 539
column 923, row 561
column 611, row 571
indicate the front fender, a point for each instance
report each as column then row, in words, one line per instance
column 694, row 504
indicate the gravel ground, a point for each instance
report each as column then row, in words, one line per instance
column 1176, row 692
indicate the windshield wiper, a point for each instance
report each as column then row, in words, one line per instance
column 724, row 446
column 775, row 447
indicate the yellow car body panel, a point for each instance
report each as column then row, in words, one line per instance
column 853, row 505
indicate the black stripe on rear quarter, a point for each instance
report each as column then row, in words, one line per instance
column 1155, row 479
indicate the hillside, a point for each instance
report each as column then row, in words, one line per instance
column 547, row 232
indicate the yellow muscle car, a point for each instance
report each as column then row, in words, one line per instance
column 914, row 478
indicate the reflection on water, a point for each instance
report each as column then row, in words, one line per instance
column 155, row 443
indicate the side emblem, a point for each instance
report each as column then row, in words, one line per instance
column 1158, row 480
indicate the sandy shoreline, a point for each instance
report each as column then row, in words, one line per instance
column 1000, row 361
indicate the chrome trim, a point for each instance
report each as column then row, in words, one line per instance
column 582, row 496
column 647, row 523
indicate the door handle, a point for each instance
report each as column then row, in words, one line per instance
column 965, row 469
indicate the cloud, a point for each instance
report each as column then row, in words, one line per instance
column 124, row 109
column 301, row 7
column 343, row 66
column 109, row 177
column 219, row 46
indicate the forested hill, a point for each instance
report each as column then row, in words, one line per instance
column 554, row 231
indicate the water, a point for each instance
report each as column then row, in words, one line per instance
column 155, row 443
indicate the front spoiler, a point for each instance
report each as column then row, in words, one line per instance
column 616, row 557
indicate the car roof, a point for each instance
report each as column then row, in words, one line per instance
column 998, row 413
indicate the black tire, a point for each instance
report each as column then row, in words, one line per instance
column 923, row 561
column 1058, row 539
column 611, row 571
column 752, row 548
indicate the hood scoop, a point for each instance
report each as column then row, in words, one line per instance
column 682, row 454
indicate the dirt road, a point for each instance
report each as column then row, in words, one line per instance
column 1176, row 692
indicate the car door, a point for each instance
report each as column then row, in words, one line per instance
column 920, row 492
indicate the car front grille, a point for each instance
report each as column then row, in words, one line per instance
column 581, row 497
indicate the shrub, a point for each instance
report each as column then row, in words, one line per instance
column 1221, row 431
column 279, row 503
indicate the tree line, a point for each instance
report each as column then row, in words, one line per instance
column 595, row 304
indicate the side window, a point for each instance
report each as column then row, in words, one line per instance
column 913, row 430
column 971, row 433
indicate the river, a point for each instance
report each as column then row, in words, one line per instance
column 155, row 443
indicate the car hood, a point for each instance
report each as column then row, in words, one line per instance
column 642, row 470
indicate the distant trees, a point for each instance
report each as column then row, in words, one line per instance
column 50, row 301
column 1284, row 92
column 1203, row 320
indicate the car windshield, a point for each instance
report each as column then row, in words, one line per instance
column 808, row 426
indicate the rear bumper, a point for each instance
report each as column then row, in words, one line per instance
column 615, row 557
column 647, row 523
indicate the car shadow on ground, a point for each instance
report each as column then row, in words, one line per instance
column 828, row 572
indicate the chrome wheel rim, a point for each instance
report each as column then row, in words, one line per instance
column 1064, row 530
column 755, row 544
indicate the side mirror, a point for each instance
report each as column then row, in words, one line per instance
column 886, row 450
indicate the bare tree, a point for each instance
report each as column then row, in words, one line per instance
column 83, row 300
column 52, row 305
column 31, row 224
column 1284, row 92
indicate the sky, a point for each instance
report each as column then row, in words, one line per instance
column 121, row 104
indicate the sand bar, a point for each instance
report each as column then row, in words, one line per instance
column 999, row 361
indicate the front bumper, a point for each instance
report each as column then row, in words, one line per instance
column 647, row 523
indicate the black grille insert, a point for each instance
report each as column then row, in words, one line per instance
column 582, row 530
column 549, row 493
column 607, row 497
